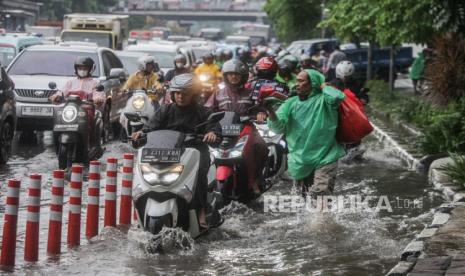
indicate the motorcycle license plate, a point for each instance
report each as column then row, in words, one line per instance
column 73, row 127
column 154, row 155
column 37, row 111
column 231, row 130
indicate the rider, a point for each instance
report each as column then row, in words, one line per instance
column 145, row 78
column 345, row 80
column 180, row 67
column 227, row 54
column 219, row 58
column 83, row 68
column 285, row 74
column 208, row 67
column 306, row 62
column 183, row 115
column 266, row 69
column 235, row 97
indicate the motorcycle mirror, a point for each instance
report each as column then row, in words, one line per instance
column 100, row 88
column 52, row 85
column 132, row 116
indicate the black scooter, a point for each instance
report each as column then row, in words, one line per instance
column 78, row 130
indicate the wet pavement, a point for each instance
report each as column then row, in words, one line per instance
column 250, row 241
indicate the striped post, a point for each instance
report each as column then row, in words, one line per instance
column 7, row 258
column 11, row 221
column 93, row 200
column 56, row 213
column 126, row 190
column 74, row 217
column 31, row 248
column 110, row 193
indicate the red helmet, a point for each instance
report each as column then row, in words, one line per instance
column 266, row 68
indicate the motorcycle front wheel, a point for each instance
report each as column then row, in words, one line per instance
column 65, row 156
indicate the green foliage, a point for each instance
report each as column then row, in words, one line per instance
column 294, row 19
column 456, row 170
column 443, row 126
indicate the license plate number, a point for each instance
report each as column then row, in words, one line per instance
column 231, row 130
column 154, row 155
column 37, row 111
column 73, row 127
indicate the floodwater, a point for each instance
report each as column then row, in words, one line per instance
column 251, row 241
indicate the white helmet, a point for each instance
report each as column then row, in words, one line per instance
column 143, row 61
column 344, row 69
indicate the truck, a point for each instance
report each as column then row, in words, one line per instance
column 106, row 30
column 259, row 33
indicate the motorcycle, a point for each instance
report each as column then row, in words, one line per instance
column 165, row 180
column 209, row 86
column 142, row 103
column 78, row 130
column 231, row 174
column 277, row 150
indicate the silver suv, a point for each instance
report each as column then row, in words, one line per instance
column 35, row 67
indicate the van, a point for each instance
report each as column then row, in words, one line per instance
column 11, row 44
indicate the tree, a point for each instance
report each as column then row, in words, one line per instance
column 294, row 19
column 354, row 20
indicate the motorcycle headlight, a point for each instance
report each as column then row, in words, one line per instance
column 204, row 77
column 69, row 114
column 235, row 152
column 138, row 102
column 155, row 176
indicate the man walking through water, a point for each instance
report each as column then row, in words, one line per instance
column 309, row 122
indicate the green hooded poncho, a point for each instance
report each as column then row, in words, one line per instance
column 418, row 67
column 310, row 128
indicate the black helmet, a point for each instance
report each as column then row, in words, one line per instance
column 208, row 55
column 86, row 62
column 228, row 54
column 180, row 58
column 185, row 82
column 236, row 66
column 285, row 67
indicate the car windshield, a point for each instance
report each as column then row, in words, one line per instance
column 7, row 53
column 130, row 63
column 164, row 59
column 54, row 63
column 101, row 39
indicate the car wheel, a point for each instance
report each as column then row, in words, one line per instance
column 6, row 138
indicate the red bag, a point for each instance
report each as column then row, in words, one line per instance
column 353, row 123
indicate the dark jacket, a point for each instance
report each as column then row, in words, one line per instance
column 174, row 72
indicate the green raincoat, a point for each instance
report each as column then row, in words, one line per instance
column 418, row 66
column 290, row 84
column 310, row 128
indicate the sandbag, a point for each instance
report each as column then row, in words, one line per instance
column 353, row 123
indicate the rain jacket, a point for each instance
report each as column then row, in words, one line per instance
column 418, row 66
column 290, row 83
column 310, row 127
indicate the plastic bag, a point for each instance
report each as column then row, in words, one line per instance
column 353, row 123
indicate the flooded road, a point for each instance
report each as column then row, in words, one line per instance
column 250, row 241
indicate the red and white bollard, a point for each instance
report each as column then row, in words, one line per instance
column 56, row 213
column 126, row 190
column 74, row 217
column 31, row 248
column 110, row 193
column 93, row 200
column 11, row 221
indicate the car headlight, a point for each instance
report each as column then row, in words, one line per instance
column 138, row 102
column 69, row 114
column 154, row 175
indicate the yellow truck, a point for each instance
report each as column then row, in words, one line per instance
column 106, row 30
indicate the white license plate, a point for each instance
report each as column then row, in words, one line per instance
column 37, row 111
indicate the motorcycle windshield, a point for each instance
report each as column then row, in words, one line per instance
column 230, row 118
column 165, row 139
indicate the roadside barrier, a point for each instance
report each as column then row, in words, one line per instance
column 56, row 213
column 55, row 225
column 126, row 190
column 31, row 249
column 110, row 193
column 8, row 255
column 75, row 198
column 93, row 200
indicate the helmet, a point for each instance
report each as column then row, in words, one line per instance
column 285, row 67
column 208, row 55
column 266, row 68
column 218, row 53
column 228, row 54
column 236, row 66
column 293, row 61
column 180, row 58
column 143, row 61
column 86, row 62
column 344, row 69
column 185, row 82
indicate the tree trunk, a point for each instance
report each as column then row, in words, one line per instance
column 391, row 68
column 369, row 61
